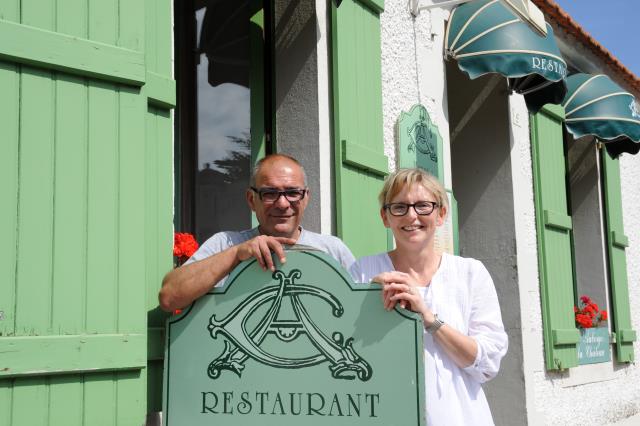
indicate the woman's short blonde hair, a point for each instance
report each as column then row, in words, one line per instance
column 396, row 182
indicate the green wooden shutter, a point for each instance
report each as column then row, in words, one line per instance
column 74, row 112
column 160, row 91
column 360, row 163
column 553, row 226
column 616, row 244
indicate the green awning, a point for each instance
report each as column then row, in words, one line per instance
column 484, row 36
column 595, row 105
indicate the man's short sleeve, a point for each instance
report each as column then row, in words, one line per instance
column 329, row 244
column 214, row 245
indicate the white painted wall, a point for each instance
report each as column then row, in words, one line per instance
column 413, row 72
column 605, row 392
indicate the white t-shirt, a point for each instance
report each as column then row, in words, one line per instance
column 226, row 239
column 464, row 297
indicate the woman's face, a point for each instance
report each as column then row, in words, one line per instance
column 413, row 229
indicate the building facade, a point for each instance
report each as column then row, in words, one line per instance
column 120, row 132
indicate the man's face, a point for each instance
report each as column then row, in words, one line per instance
column 280, row 218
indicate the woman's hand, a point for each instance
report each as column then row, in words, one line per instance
column 399, row 287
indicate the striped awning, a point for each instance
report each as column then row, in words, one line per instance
column 224, row 38
column 595, row 105
column 484, row 36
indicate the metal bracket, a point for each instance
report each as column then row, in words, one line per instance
column 529, row 13
column 415, row 7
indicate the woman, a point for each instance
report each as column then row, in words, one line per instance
column 464, row 339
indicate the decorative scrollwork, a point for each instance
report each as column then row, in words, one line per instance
column 240, row 346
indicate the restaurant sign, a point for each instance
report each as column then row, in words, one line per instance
column 300, row 345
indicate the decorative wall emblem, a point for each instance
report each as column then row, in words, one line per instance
column 422, row 138
column 243, row 341
column 419, row 141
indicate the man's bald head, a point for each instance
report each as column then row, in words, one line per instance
column 275, row 158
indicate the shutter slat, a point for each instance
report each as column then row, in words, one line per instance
column 569, row 336
column 627, row 336
column 364, row 158
column 620, row 240
column 557, row 220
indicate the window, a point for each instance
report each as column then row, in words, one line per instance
column 579, row 220
column 221, row 128
column 585, row 196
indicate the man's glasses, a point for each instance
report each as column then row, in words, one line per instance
column 268, row 195
column 423, row 208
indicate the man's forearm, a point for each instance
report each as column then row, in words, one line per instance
column 183, row 285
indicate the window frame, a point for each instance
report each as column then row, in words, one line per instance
column 560, row 351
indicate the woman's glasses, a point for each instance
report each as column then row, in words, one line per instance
column 422, row 208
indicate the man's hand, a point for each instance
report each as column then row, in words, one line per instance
column 183, row 285
column 260, row 247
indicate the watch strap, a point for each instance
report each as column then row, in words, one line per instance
column 435, row 325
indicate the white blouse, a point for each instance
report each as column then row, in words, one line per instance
column 464, row 297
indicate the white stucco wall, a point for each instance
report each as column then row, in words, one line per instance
column 413, row 72
column 630, row 177
column 605, row 392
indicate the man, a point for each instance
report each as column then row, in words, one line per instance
column 278, row 195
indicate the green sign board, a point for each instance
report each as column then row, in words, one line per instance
column 301, row 345
column 419, row 142
column 594, row 346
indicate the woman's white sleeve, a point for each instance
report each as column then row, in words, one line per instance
column 485, row 325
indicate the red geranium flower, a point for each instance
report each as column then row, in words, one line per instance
column 584, row 321
column 184, row 245
column 588, row 313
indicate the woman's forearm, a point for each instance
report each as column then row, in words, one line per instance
column 461, row 348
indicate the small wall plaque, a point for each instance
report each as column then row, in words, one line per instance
column 419, row 142
column 594, row 346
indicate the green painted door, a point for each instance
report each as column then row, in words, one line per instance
column 360, row 163
column 87, row 205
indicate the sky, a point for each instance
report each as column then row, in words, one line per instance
column 613, row 23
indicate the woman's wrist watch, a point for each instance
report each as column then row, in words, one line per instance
column 435, row 325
